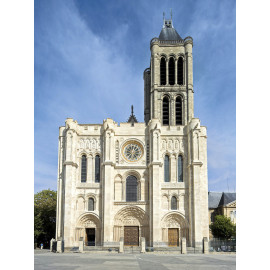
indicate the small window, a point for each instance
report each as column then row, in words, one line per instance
column 171, row 71
column 167, row 169
column 166, row 110
column 162, row 71
column 91, row 204
column 131, row 189
column 97, row 169
column 178, row 111
column 180, row 71
column 180, row 168
column 83, row 168
column 174, row 203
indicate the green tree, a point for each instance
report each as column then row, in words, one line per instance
column 223, row 228
column 45, row 216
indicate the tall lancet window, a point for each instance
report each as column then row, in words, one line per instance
column 174, row 203
column 131, row 189
column 180, row 71
column 178, row 111
column 162, row 71
column 97, row 169
column 171, row 71
column 180, row 168
column 166, row 110
column 91, row 204
column 166, row 169
column 83, row 168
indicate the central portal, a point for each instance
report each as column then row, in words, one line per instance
column 131, row 235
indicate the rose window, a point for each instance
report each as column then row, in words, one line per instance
column 132, row 151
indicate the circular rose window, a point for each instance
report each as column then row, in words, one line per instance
column 132, row 151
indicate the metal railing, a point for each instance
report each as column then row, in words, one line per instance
column 219, row 245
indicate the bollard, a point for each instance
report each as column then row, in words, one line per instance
column 59, row 246
column 121, row 246
column 184, row 245
column 81, row 245
column 142, row 245
column 51, row 244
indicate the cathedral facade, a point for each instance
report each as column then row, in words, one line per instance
column 134, row 180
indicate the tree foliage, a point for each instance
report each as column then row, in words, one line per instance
column 223, row 228
column 45, row 216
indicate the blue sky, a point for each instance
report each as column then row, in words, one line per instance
column 89, row 52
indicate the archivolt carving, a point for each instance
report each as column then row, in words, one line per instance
column 131, row 215
column 88, row 220
column 174, row 219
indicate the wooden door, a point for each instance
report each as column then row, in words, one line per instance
column 173, row 237
column 131, row 235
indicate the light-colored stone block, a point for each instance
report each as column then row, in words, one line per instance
column 142, row 245
column 183, row 246
column 121, row 245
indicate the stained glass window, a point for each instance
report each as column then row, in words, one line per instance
column 178, row 111
column 83, row 168
column 167, row 169
column 91, row 204
column 131, row 189
column 173, row 203
column 180, row 168
column 97, row 169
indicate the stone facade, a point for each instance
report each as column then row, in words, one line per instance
column 111, row 210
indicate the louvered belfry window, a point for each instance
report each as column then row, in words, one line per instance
column 166, row 111
column 178, row 111
column 180, row 168
column 91, row 204
column 97, row 169
column 167, row 169
column 180, row 71
column 173, row 203
column 83, row 168
column 131, row 189
column 162, row 71
column 171, row 71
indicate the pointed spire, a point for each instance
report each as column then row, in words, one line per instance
column 132, row 119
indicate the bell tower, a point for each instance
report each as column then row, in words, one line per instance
column 168, row 83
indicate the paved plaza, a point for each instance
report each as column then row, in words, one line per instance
column 80, row 261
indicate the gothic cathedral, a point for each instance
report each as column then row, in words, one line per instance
column 133, row 181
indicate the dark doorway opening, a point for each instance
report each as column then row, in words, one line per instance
column 90, row 237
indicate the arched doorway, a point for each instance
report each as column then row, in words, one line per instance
column 131, row 223
column 89, row 229
column 174, row 227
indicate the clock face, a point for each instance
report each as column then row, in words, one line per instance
column 132, row 151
